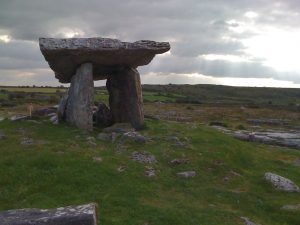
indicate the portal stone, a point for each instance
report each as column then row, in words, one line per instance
column 81, row 98
column 125, row 97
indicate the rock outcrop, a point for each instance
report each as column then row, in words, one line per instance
column 75, row 215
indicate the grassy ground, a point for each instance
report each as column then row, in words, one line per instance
column 229, row 181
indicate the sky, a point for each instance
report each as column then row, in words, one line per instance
column 228, row 42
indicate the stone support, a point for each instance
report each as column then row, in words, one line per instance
column 125, row 97
column 81, row 98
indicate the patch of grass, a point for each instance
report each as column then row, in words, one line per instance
column 62, row 172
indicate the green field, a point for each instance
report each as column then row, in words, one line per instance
column 58, row 169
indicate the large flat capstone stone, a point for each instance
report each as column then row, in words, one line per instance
column 106, row 55
column 71, row 215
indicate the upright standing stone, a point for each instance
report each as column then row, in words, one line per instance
column 81, row 98
column 125, row 97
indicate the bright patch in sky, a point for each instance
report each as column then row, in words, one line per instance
column 279, row 48
column 5, row 38
column 251, row 15
column 231, row 58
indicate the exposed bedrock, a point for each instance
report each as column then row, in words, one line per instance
column 125, row 97
column 81, row 98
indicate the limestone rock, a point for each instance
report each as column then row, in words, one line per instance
column 81, row 98
column 135, row 136
column 291, row 207
column 281, row 183
column 106, row 55
column 186, row 174
column 176, row 162
column 248, row 222
column 75, row 215
column 103, row 116
column 19, row 118
column 125, row 97
column 143, row 157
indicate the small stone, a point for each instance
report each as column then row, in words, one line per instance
column 104, row 137
column 97, row 159
column 27, row 141
column 143, row 157
column 281, row 183
column 150, row 172
column 103, row 116
column 176, row 162
column 54, row 119
column 186, row 174
column 91, row 141
column 291, row 207
column 121, row 169
column 135, row 136
column 248, row 222
column 19, row 118
column 225, row 179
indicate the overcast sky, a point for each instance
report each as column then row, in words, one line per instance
column 231, row 42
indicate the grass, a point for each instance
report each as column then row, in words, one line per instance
column 62, row 172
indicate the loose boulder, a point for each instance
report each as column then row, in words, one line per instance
column 281, row 183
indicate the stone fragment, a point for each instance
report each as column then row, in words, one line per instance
column 291, row 207
column 54, row 119
column 150, row 172
column 121, row 169
column 125, row 97
column 91, row 141
column 44, row 111
column 75, row 215
column 176, row 162
column 103, row 116
column 81, row 98
column 19, row 118
column 97, row 159
column 281, row 183
column 135, row 136
column 64, row 55
column 27, row 141
column 186, row 174
column 248, row 222
column 143, row 157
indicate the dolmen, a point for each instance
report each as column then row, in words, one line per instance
column 81, row 61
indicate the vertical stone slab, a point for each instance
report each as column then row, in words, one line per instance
column 81, row 98
column 125, row 97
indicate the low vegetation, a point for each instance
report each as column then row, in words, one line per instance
column 61, row 167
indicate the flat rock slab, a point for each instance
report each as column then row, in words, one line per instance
column 281, row 183
column 71, row 215
column 106, row 55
